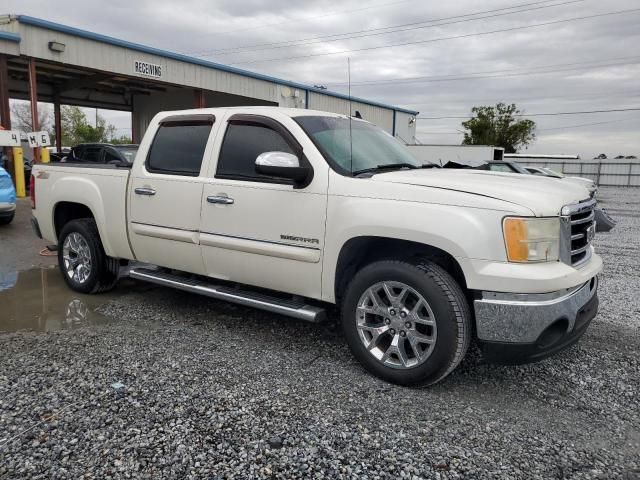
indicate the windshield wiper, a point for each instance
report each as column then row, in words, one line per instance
column 393, row 166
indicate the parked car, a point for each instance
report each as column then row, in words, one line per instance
column 503, row 166
column 294, row 211
column 57, row 157
column 122, row 155
column 7, row 198
column 548, row 172
column 604, row 222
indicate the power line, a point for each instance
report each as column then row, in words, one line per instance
column 546, row 114
column 431, row 40
column 381, row 31
column 496, row 73
column 308, row 19
column 587, row 124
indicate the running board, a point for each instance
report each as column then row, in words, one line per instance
column 289, row 307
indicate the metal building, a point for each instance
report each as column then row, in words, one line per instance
column 56, row 63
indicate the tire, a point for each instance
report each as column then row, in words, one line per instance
column 6, row 220
column 445, row 322
column 96, row 272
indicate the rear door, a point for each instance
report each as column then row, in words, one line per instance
column 261, row 230
column 165, row 193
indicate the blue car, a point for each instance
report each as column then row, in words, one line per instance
column 7, row 198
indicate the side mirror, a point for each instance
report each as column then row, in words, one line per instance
column 282, row 164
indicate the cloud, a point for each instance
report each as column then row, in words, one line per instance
column 204, row 27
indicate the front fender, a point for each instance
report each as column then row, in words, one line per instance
column 463, row 232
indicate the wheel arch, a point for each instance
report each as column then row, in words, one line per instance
column 360, row 251
column 65, row 211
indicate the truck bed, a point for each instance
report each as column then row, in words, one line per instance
column 102, row 188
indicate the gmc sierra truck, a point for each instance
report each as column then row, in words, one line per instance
column 293, row 211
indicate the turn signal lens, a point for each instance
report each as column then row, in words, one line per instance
column 532, row 239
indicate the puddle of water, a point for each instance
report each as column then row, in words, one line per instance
column 39, row 300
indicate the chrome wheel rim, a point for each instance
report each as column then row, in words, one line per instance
column 77, row 258
column 396, row 325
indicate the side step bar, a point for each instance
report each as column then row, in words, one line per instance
column 289, row 307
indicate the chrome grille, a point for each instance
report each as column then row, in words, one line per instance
column 577, row 230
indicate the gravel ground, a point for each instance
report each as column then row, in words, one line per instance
column 179, row 386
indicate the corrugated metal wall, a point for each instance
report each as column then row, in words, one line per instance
column 380, row 116
column 405, row 127
column 110, row 58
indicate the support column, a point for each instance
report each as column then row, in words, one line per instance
column 5, row 110
column 57, row 118
column 135, row 121
column 198, row 101
column 33, row 97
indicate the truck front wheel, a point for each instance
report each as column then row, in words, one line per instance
column 407, row 323
column 85, row 266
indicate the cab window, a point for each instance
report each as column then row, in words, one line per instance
column 178, row 146
column 242, row 144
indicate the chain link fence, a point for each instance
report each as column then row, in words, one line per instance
column 618, row 174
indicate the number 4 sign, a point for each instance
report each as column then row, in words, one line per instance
column 9, row 138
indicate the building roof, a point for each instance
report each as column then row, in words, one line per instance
column 533, row 155
column 38, row 22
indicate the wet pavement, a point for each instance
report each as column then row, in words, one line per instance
column 19, row 246
column 39, row 300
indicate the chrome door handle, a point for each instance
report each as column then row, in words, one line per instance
column 145, row 191
column 220, row 199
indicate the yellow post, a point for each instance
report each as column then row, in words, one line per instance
column 44, row 155
column 18, row 166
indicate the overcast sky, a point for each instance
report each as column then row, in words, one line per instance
column 579, row 65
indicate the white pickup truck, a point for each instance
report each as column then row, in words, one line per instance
column 293, row 211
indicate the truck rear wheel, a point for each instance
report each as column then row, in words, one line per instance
column 407, row 323
column 85, row 266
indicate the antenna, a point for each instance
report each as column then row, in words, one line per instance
column 350, row 118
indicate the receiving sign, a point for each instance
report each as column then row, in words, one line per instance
column 147, row 69
column 38, row 139
column 9, row 138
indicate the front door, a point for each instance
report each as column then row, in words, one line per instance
column 165, row 194
column 261, row 230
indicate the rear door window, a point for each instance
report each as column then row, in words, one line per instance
column 91, row 154
column 179, row 145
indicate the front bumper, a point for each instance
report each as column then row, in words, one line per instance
column 521, row 328
column 7, row 208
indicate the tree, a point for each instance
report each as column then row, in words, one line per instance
column 498, row 126
column 21, row 117
column 76, row 128
column 121, row 140
column 75, row 125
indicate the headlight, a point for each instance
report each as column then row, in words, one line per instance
column 532, row 239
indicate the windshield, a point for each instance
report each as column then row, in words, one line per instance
column 128, row 152
column 354, row 145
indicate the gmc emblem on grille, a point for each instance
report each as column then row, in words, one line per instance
column 591, row 232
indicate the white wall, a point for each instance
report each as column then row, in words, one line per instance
column 472, row 155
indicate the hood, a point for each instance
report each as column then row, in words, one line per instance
column 542, row 195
